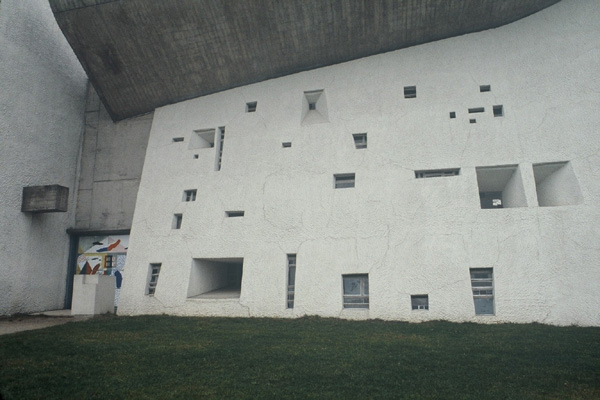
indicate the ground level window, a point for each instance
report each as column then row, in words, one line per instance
column 419, row 302
column 153, row 273
column 291, row 287
column 482, row 283
column 356, row 290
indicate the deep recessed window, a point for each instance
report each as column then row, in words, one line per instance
column 202, row 139
column 360, row 140
column 556, row 184
column 286, row 144
column 500, row 187
column 482, row 284
column 189, row 195
column 178, row 139
column 312, row 106
column 419, row 302
column 217, row 279
column 485, row 88
column 476, row 110
column 356, row 290
column 498, row 111
column 177, row 219
column 234, row 214
column 452, row 114
column 436, row 173
column 344, row 181
column 153, row 273
column 291, row 283
column 410, row 92
column 251, row 107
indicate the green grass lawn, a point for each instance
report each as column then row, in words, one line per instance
column 155, row 357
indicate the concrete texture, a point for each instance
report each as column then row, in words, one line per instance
column 42, row 93
column 130, row 47
column 411, row 236
column 28, row 322
column 112, row 157
column 93, row 294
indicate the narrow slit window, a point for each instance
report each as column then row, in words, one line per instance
column 410, row 92
column 419, row 302
column 344, row 181
column 437, row 173
column 189, row 195
column 452, row 114
column 360, row 140
column 291, row 282
column 482, row 284
column 286, row 144
column 356, row 290
column 485, row 88
column 153, row 273
column 219, row 154
column 498, row 111
column 234, row 214
column 251, row 107
column 177, row 219
column 177, row 139
column 476, row 110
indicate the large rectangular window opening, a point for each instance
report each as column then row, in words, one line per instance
column 291, row 279
column 216, row 278
column 153, row 272
column 202, row 139
column 500, row 187
column 356, row 290
column 556, row 184
column 482, row 284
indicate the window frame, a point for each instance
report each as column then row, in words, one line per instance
column 153, row 274
column 344, row 181
column 480, row 291
column 362, row 297
column 189, row 195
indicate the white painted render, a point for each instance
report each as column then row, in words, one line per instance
column 42, row 98
column 411, row 236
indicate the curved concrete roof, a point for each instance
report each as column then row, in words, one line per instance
column 142, row 54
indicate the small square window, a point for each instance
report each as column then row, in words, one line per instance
column 234, row 214
column 485, row 88
column 498, row 111
column 472, row 121
column 410, row 92
column 177, row 219
column 195, row 156
column 344, row 181
column 189, row 195
column 286, row 144
column 251, row 107
column 356, row 290
column 360, row 140
column 312, row 106
column 452, row 114
column 153, row 273
column 419, row 302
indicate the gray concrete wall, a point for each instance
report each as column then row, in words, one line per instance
column 42, row 93
column 112, row 157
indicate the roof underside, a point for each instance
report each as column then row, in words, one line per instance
column 143, row 54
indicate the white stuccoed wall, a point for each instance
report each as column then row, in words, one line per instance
column 412, row 236
column 42, row 89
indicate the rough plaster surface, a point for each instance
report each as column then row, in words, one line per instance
column 42, row 93
column 412, row 236
column 112, row 158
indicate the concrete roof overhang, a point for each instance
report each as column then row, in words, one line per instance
column 143, row 54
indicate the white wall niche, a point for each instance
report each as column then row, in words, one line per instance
column 215, row 278
column 556, row 184
column 500, row 187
